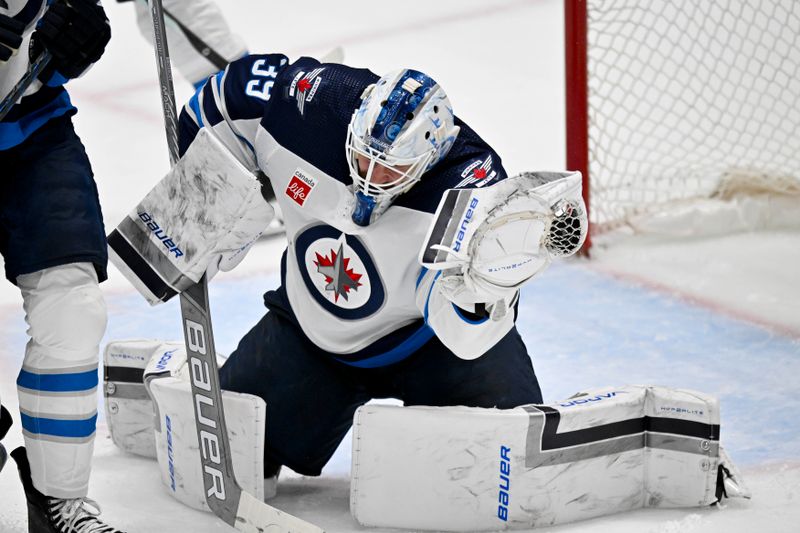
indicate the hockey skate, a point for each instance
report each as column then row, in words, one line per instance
column 5, row 423
column 57, row 515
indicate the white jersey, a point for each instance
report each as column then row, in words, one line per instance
column 41, row 101
column 29, row 12
column 200, row 41
column 357, row 292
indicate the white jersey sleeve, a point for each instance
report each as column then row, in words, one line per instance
column 200, row 41
column 468, row 333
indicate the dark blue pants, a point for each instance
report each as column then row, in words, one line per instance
column 49, row 209
column 311, row 398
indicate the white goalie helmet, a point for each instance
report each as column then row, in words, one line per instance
column 404, row 126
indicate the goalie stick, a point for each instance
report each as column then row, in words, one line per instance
column 224, row 495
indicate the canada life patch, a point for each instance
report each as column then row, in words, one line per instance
column 300, row 186
column 339, row 272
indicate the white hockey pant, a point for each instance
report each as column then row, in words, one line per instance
column 57, row 386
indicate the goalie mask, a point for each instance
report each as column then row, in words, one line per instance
column 403, row 127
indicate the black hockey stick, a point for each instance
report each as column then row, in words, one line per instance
column 26, row 16
column 17, row 91
column 165, row 79
column 224, row 495
column 202, row 47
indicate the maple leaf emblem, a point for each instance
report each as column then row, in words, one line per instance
column 480, row 173
column 339, row 278
column 303, row 85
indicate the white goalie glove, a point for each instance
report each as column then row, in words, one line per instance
column 488, row 242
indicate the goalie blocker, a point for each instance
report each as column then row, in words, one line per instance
column 600, row 452
column 202, row 217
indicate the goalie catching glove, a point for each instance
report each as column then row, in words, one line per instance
column 488, row 242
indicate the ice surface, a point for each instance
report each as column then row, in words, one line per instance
column 718, row 315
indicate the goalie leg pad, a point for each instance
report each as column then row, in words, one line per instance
column 601, row 452
column 203, row 216
column 177, row 447
column 129, row 409
column 150, row 413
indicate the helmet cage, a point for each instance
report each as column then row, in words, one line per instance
column 409, row 170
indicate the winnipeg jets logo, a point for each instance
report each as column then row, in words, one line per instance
column 339, row 278
column 304, row 86
column 479, row 171
column 339, row 272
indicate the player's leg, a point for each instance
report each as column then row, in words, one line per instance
column 503, row 377
column 310, row 398
column 57, row 385
column 54, row 248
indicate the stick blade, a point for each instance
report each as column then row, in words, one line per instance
column 255, row 516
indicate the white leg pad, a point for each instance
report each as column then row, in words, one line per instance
column 177, row 446
column 470, row 469
column 152, row 415
column 129, row 409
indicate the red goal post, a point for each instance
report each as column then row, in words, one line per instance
column 674, row 102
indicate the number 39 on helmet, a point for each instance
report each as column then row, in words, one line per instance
column 404, row 126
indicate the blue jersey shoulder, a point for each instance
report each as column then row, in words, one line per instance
column 248, row 84
column 311, row 106
column 470, row 163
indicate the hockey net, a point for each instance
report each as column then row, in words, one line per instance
column 685, row 107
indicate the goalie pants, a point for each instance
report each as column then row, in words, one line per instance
column 311, row 397
column 49, row 209
column 53, row 242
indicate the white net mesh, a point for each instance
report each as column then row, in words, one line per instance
column 691, row 99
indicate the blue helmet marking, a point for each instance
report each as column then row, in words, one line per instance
column 398, row 109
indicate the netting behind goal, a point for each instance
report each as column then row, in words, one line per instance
column 682, row 99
